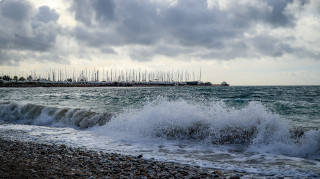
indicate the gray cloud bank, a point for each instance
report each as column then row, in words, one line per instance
column 197, row 28
column 24, row 28
column 190, row 27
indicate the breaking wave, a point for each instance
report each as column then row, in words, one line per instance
column 253, row 127
column 32, row 114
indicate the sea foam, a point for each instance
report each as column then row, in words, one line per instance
column 254, row 128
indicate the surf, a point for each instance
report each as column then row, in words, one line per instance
column 33, row 114
column 253, row 128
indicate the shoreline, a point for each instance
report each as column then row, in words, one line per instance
column 102, row 84
column 34, row 160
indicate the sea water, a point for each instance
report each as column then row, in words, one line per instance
column 262, row 130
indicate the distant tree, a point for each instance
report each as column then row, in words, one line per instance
column 0, row 77
column 15, row 78
column 6, row 78
column 29, row 78
column 21, row 79
column 69, row 80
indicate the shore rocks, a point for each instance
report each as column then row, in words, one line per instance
column 32, row 160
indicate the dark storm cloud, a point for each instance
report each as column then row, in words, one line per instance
column 278, row 17
column 104, row 9
column 46, row 14
column 87, row 11
column 146, row 23
column 83, row 11
column 234, row 49
column 187, row 24
column 130, row 23
column 148, row 28
column 108, row 50
column 16, row 10
column 25, row 28
column 10, row 59
column 268, row 45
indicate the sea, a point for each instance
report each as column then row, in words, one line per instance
column 264, row 130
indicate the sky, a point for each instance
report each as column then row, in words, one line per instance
column 247, row 42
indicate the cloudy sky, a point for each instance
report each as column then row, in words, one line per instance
column 247, row 42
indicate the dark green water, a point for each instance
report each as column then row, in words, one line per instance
column 272, row 131
column 298, row 104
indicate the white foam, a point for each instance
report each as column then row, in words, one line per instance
column 253, row 126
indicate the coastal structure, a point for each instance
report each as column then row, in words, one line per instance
column 110, row 77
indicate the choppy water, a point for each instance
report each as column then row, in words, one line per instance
column 265, row 130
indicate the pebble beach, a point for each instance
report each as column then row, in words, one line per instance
column 33, row 160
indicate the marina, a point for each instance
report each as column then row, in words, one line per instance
column 108, row 78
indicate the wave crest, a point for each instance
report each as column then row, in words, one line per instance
column 32, row 114
column 253, row 126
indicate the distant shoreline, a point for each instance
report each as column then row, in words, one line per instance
column 100, row 84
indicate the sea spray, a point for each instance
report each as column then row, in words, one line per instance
column 253, row 127
column 215, row 123
column 280, row 142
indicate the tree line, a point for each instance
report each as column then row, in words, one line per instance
column 15, row 78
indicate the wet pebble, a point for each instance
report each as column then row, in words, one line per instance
column 33, row 160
